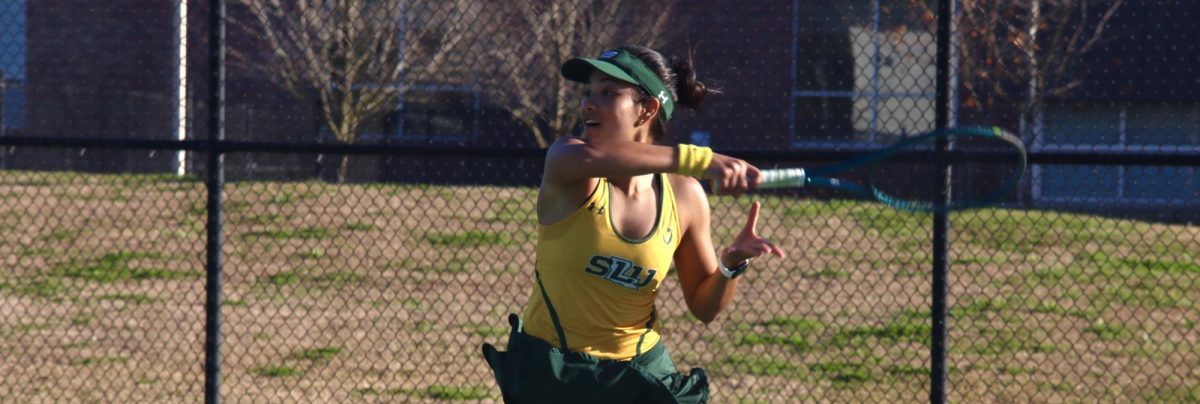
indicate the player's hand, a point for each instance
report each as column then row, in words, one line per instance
column 732, row 176
column 748, row 244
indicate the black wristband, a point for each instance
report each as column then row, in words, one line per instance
column 736, row 271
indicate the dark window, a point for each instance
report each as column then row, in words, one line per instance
column 436, row 114
column 12, row 64
column 1119, row 127
column 428, row 113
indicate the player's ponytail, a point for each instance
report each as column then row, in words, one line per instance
column 689, row 91
column 679, row 78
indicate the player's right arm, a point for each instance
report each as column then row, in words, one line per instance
column 571, row 159
column 559, row 194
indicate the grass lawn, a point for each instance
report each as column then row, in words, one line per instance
column 385, row 292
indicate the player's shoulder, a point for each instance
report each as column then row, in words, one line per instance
column 566, row 140
column 562, row 147
column 688, row 190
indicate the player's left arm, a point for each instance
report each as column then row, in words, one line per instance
column 706, row 291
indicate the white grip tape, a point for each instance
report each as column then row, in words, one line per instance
column 782, row 177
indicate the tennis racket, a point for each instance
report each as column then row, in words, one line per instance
column 986, row 145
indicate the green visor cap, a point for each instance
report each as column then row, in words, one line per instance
column 624, row 66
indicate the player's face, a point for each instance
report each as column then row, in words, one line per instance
column 609, row 109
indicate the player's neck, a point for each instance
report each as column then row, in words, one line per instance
column 634, row 186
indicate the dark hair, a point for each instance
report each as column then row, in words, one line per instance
column 680, row 79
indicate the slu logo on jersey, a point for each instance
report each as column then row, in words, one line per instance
column 619, row 271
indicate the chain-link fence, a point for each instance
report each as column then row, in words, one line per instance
column 379, row 164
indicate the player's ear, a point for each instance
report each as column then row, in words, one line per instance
column 650, row 109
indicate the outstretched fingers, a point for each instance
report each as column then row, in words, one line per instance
column 752, row 219
column 748, row 244
column 763, row 246
column 775, row 250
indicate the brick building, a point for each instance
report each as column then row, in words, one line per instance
column 821, row 75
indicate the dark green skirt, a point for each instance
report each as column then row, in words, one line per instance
column 533, row 371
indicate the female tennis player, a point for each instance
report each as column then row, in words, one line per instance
column 615, row 209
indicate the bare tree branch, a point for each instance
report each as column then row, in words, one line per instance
column 538, row 35
column 1004, row 45
column 355, row 56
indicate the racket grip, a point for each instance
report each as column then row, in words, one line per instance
column 782, row 178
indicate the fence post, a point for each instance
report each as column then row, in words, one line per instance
column 216, row 193
column 3, row 123
column 941, row 219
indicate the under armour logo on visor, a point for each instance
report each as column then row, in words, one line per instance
column 662, row 97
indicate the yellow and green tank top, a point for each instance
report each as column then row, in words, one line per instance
column 602, row 285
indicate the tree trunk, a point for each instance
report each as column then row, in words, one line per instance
column 343, row 168
column 1031, row 117
column 541, row 138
